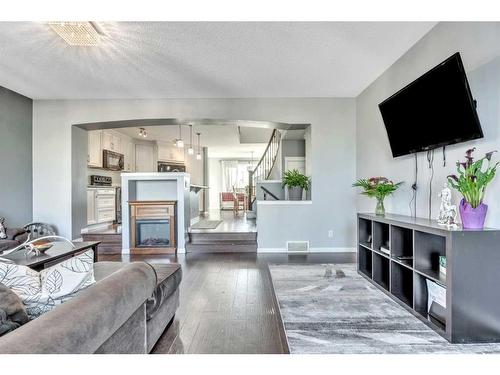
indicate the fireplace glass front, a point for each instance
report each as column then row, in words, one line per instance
column 153, row 233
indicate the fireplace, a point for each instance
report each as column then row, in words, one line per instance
column 152, row 233
column 152, row 227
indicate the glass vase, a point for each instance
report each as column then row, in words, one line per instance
column 380, row 209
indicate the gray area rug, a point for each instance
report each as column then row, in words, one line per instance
column 206, row 224
column 329, row 308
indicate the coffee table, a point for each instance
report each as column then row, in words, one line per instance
column 57, row 253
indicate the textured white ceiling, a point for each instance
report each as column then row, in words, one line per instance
column 204, row 59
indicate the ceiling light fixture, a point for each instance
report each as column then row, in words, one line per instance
column 198, row 155
column 143, row 133
column 77, row 33
column 180, row 142
column 191, row 149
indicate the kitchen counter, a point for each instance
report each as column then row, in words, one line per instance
column 197, row 188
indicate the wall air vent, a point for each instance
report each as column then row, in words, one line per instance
column 297, row 246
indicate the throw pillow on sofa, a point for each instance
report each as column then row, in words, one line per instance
column 3, row 231
column 42, row 291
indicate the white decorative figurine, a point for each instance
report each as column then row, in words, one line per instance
column 447, row 211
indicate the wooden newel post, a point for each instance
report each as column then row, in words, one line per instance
column 250, row 190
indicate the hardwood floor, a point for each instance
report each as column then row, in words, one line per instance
column 227, row 303
column 231, row 222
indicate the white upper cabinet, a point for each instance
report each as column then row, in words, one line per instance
column 94, row 156
column 167, row 152
column 112, row 141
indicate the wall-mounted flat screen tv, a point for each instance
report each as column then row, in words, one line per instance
column 433, row 111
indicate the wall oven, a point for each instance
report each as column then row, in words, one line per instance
column 112, row 160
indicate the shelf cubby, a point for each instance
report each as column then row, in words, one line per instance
column 402, row 244
column 365, row 232
column 402, row 283
column 380, row 235
column 422, row 297
column 365, row 261
column 381, row 272
column 428, row 248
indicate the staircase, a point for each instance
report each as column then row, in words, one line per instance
column 264, row 167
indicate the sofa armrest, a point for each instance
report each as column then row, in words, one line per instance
column 85, row 322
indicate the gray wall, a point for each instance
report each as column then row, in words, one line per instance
column 332, row 154
column 16, row 158
column 292, row 147
column 479, row 45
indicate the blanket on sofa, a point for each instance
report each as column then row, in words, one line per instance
column 12, row 311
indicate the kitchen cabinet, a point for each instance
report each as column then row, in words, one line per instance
column 101, row 206
column 144, row 158
column 112, row 141
column 129, row 154
column 91, row 212
column 167, row 152
column 94, row 154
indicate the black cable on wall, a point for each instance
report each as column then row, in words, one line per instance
column 430, row 162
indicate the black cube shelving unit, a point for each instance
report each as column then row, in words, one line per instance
column 471, row 281
column 380, row 235
column 365, row 232
column 365, row 261
column 380, row 273
column 402, row 283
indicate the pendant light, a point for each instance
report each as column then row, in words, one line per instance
column 191, row 149
column 180, row 142
column 143, row 133
column 198, row 155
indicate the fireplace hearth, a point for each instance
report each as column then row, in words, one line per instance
column 152, row 227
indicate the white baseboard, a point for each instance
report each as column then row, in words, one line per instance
column 311, row 250
column 332, row 250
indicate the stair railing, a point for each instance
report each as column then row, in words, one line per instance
column 267, row 192
column 264, row 167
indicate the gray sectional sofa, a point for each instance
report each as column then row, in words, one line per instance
column 125, row 311
column 15, row 237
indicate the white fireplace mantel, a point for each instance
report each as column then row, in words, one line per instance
column 156, row 186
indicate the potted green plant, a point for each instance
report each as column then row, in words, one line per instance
column 379, row 188
column 471, row 180
column 296, row 183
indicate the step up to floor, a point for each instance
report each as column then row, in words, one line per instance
column 217, row 237
column 222, row 242
column 221, row 248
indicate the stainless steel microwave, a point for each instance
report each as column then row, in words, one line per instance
column 112, row 160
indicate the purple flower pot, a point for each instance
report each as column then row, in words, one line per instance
column 472, row 218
